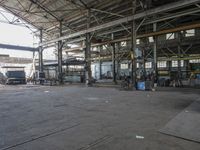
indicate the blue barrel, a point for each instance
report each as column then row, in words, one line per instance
column 141, row 86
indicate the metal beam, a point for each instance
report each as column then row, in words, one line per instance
column 41, row 53
column 113, row 60
column 60, row 62
column 45, row 9
column 88, row 72
column 176, row 15
column 172, row 30
column 179, row 34
column 106, row 12
column 100, row 62
column 15, row 60
column 15, row 47
column 133, row 47
column 157, row 33
column 155, row 46
column 150, row 12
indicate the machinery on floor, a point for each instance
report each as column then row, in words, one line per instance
column 14, row 75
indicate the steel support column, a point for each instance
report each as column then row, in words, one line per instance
column 155, row 54
column 113, row 60
column 133, row 47
column 144, row 62
column 41, row 54
column 179, row 55
column 100, row 62
column 60, row 45
column 118, row 60
column 88, row 72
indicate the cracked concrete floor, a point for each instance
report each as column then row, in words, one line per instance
column 80, row 118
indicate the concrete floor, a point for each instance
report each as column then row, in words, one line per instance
column 79, row 118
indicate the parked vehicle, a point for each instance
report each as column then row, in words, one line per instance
column 15, row 77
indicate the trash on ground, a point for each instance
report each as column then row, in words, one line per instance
column 139, row 137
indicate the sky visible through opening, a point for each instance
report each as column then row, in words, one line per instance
column 18, row 35
column 15, row 35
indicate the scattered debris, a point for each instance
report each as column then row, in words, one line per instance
column 139, row 137
column 186, row 111
column 93, row 98
column 46, row 91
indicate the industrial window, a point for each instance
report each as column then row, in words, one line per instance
column 193, row 61
column 124, row 43
column 138, row 41
column 138, row 65
column 151, row 39
column 182, row 63
column 72, row 45
column 124, row 66
column 148, row 65
column 94, row 48
column 170, row 36
column 162, row 64
column 190, row 33
column 105, row 47
column 175, row 63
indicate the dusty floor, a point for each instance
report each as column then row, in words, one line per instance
column 79, row 118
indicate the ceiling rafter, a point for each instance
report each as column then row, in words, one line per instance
column 45, row 9
column 72, row 12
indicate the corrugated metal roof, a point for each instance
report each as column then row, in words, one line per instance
column 46, row 14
